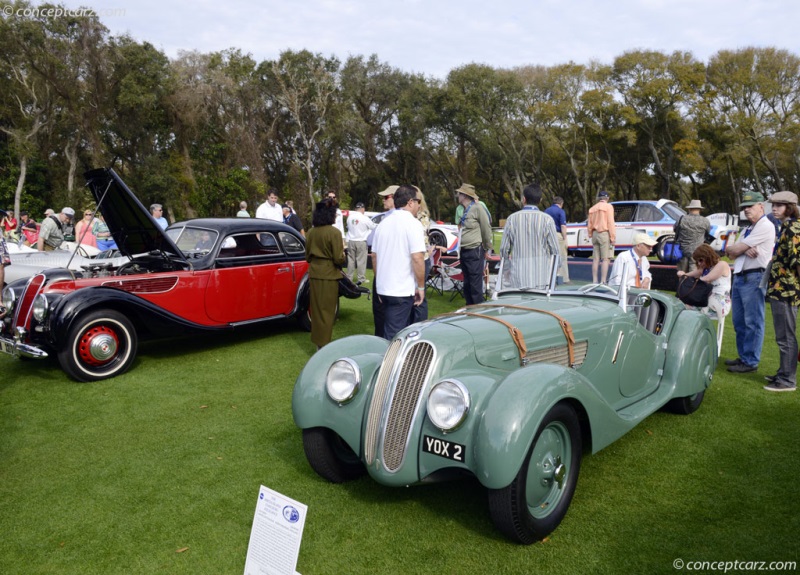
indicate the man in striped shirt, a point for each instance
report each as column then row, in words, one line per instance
column 529, row 239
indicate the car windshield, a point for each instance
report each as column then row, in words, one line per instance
column 193, row 240
column 527, row 273
column 673, row 210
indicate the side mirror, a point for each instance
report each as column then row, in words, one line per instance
column 643, row 300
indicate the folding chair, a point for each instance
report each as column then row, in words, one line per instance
column 455, row 275
column 435, row 279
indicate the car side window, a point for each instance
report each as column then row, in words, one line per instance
column 648, row 213
column 291, row 244
column 624, row 212
column 249, row 249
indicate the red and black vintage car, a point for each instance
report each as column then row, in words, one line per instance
column 198, row 276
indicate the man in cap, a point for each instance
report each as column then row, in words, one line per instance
column 783, row 290
column 752, row 252
column 292, row 219
column 602, row 231
column 359, row 227
column 638, row 266
column 690, row 233
column 529, row 239
column 475, row 239
column 378, row 312
column 398, row 252
column 556, row 211
column 51, row 233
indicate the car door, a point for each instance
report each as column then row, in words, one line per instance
column 251, row 279
column 642, row 351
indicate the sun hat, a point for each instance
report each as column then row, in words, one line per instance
column 468, row 190
column 695, row 205
column 388, row 191
column 642, row 238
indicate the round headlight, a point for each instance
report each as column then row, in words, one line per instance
column 343, row 380
column 448, row 404
column 8, row 298
column 40, row 307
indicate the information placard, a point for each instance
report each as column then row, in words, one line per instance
column 276, row 535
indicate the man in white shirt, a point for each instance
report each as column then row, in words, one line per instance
column 638, row 273
column 358, row 229
column 399, row 261
column 753, row 252
column 271, row 209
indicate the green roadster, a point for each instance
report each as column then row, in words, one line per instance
column 512, row 391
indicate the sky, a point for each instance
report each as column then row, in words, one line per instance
column 432, row 37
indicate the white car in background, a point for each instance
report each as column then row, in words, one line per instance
column 27, row 262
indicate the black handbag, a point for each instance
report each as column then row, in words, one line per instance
column 350, row 290
column 694, row 291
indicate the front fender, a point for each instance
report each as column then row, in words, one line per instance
column 515, row 411
column 311, row 405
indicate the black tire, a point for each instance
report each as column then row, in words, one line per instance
column 331, row 457
column 685, row 405
column 100, row 344
column 538, row 499
column 437, row 238
column 304, row 317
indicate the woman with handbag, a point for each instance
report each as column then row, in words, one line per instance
column 710, row 269
column 325, row 256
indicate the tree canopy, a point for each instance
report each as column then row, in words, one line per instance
column 203, row 132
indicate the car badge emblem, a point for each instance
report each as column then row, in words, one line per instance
column 413, row 335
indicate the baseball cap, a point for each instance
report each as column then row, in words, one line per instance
column 642, row 238
column 359, row 205
column 602, row 194
column 388, row 191
column 751, row 199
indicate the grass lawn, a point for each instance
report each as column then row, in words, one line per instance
column 157, row 471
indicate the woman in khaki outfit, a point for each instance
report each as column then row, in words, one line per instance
column 325, row 255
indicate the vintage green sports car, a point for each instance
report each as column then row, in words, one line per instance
column 512, row 391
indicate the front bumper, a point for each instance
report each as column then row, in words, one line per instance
column 18, row 348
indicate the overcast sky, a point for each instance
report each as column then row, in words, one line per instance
column 434, row 36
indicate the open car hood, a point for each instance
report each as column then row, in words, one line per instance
column 134, row 229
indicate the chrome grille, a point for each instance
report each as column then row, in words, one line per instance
column 412, row 378
column 558, row 354
column 376, row 407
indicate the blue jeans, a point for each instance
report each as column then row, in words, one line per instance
column 748, row 305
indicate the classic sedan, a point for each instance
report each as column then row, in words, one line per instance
column 203, row 276
column 512, row 392
column 654, row 218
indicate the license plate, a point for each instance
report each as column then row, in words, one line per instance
column 444, row 448
column 6, row 347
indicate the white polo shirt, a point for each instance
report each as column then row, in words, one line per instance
column 396, row 238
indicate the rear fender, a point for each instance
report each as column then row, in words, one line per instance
column 311, row 405
column 691, row 355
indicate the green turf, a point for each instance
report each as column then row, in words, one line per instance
column 157, row 471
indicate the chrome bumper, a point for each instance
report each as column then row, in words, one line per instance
column 20, row 349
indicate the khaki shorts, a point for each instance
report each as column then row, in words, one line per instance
column 601, row 246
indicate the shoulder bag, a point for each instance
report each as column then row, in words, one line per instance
column 694, row 291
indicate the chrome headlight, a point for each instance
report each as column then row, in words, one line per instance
column 343, row 380
column 40, row 307
column 9, row 298
column 448, row 404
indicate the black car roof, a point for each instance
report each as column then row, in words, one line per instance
column 134, row 229
column 234, row 225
